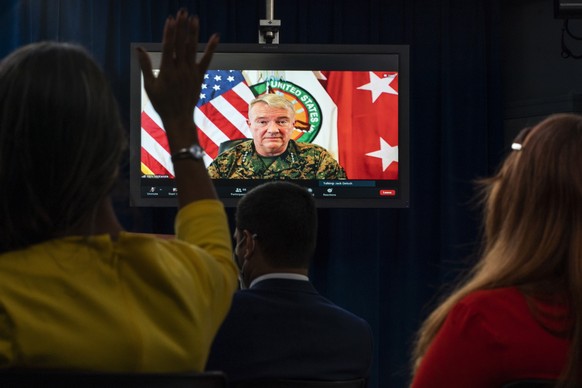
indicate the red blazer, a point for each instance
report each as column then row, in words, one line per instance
column 491, row 338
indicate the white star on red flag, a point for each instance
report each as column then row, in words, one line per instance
column 387, row 153
column 379, row 85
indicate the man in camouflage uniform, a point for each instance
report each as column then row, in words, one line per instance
column 271, row 154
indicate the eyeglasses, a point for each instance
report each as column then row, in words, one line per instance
column 517, row 144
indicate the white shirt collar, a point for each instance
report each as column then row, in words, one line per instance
column 279, row 275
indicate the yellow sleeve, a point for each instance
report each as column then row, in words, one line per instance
column 204, row 223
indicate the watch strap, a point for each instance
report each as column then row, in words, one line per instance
column 194, row 152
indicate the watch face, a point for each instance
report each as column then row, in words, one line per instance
column 197, row 151
column 193, row 152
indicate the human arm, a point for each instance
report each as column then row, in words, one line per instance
column 174, row 94
column 201, row 221
column 213, row 171
column 329, row 168
column 223, row 165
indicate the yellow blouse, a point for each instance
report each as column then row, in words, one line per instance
column 139, row 303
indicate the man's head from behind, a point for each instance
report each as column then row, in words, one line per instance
column 276, row 222
column 271, row 120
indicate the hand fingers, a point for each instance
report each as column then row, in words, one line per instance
column 168, row 42
column 181, row 31
column 192, row 42
column 181, row 42
column 146, row 66
column 208, row 52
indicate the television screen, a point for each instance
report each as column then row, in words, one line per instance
column 351, row 117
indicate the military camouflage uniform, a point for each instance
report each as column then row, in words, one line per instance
column 299, row 161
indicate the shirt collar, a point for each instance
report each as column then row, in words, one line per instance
column 279, row 275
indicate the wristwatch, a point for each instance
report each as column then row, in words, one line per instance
column 194, row 152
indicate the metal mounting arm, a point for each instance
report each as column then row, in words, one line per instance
column 269, row 27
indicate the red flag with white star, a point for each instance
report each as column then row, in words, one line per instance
column 367, row 122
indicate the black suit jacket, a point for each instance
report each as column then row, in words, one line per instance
column 284, row 328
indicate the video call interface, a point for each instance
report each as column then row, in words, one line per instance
column 353, row 114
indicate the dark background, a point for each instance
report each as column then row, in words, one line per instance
column 480, row 70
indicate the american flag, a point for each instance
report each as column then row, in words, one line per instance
column 221, row 112
column 220, row 115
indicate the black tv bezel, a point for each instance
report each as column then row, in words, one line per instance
column 283, row 57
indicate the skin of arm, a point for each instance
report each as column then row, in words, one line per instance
column 174, row 94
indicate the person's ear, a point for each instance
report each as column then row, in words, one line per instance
column 247, row 244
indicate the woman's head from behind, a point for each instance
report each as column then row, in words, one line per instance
column 533, row 222
column 61, row 141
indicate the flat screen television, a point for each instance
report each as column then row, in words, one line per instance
column 350, row 99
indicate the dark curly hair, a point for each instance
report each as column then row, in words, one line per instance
column 284, row 217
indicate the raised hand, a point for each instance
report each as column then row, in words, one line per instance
column 174, row 94
column 175, row 91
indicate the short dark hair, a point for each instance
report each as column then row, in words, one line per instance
column 61, row 141
column 284, row 217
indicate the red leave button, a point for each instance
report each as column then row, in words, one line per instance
column 387, row 193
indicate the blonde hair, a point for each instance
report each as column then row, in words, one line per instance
column 532, row 231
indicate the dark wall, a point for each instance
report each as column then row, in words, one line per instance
column 539, row 77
